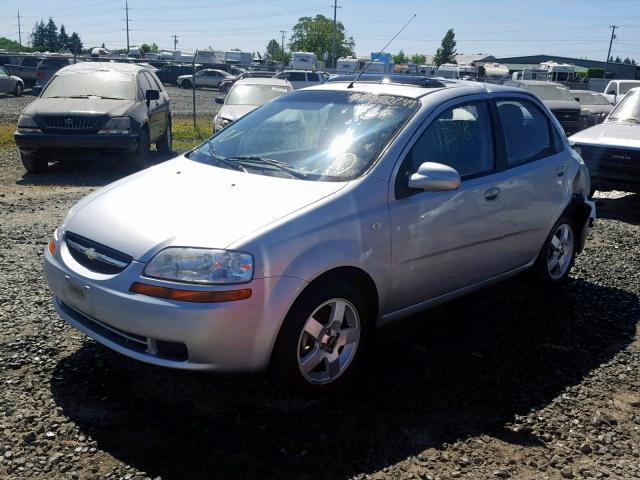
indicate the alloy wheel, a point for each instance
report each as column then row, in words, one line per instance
column 560, row 252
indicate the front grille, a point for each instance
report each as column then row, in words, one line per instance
column 96, row 257
column 567, row 115
column 612, row 163
column 70, row 123
column 159, row 348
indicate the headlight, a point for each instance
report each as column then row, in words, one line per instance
column 222, row 122
column 27, row 124
column 201, row 265
column 116, row 126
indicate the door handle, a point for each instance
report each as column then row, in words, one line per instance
column 491, row 194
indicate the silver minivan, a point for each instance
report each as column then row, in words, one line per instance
column 289, row 236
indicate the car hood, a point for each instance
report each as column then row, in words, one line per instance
column 612, row 134
column 597, row 108
column 234, row 112
column 186, row 203
column 562, row 104
column 73, row 106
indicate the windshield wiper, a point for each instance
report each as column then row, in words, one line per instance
column 224, row 161
column 269, row 161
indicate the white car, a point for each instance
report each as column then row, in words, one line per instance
column 617, row 89
column 247, row 95
column 10, row 83
column 204, row 78
column 301, row 78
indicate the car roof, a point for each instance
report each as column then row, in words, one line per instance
column 102, row 66
column 275, row 82
column 419, row 80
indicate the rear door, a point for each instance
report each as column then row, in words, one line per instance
column 536, row 190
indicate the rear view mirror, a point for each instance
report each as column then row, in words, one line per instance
column 435, row 177
column 152, row 95
column 220, row 100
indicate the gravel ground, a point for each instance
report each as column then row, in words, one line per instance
column 181, row 103
column 511, row 382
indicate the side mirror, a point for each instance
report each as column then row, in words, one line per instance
column 220, row 100
column 152, row 95
column 435, row 177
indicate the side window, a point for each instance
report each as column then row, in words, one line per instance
column 527, row 131
column 3, row 72
column 144, row 84
column 313, row 77
column 461, row 137
column 297, row 76
column 155, row 84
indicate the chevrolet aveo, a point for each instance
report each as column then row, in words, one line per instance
column 288, row 237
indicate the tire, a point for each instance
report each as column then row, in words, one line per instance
column 18, row 90
column 138, row 159
column 34, row 164
column 185, row 84
column 556, row 258
column 317, row 352
column 165, row 142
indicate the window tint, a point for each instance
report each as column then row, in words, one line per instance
column 144, row 83
column 153, row 82
column 296, row 76
column 527, row 132
column 460, row 137
column 313, row 77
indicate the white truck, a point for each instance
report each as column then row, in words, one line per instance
column 617, row 89
column 304, row 61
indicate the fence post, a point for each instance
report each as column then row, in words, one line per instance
column 193, row 87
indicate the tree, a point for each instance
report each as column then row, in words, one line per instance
column 75, row 44
column 316, row 35
column 63, row 38
column 419, row 59
column 400, row 57
column 11, row 45
column 447, row 51
column 51, row 36
column 618, row 60
column 38, row 36
column 273, row 49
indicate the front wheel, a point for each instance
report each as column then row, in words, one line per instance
column 165, row 143
column 323, row 338
column 558, row 254
column 34, row 164
column 137, row 160
column 18, row 90
column 186, row 84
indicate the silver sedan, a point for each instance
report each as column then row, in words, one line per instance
column 289, row 236
column 10, row 83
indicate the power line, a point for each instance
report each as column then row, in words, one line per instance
column 613, row 35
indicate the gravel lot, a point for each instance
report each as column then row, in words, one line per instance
column 511, row 382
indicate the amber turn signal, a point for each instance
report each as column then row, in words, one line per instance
column 52, row 246
column 199, row 296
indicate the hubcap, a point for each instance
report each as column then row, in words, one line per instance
column 560, row 252
column 329, row 341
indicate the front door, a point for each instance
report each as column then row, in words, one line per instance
column 153, row 107
column 445, row 241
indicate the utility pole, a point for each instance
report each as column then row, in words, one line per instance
column 126, row 10
column 333, row 42
column 175, row 41
column 19, row 29
column 613, row 35
column 282, row 46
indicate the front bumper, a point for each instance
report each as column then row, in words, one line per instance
column 229, row 336
column 35, row 142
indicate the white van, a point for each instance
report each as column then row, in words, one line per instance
column 304, row 61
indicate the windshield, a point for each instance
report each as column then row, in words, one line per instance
column 314, row 135
column 626, row 86
column 588, row 98
column 628, row 110
column 105, row 84
column 551, row 92
column 254, row 94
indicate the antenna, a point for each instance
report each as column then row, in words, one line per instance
column 378, row 53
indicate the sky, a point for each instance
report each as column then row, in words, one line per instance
column 572, row 28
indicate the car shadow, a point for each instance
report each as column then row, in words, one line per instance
column 458, row 371
column 89, row 173
column 625, row 208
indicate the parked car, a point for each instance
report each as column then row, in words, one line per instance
column 24, row 67
column 612, row 149
column 247, row 95
column 595, row 104
column 397, row 78
column 559, row 100
column 95, row 107
column 617, row 89
column 226, row 84
column 45, row 70
column 289, row 236
column 204, row 78
column 301, row 78
column 10, row 83
column 170, row 73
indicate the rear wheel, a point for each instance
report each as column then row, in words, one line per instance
column 323, row 338
column 33, row 163
column 558, row 254
column 186, row 84
column 165, row 143
column 18, row 90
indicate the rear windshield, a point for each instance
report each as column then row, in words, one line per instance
column 588, row 98
column 550, row 92
column 254, row 94
column 103, row 84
